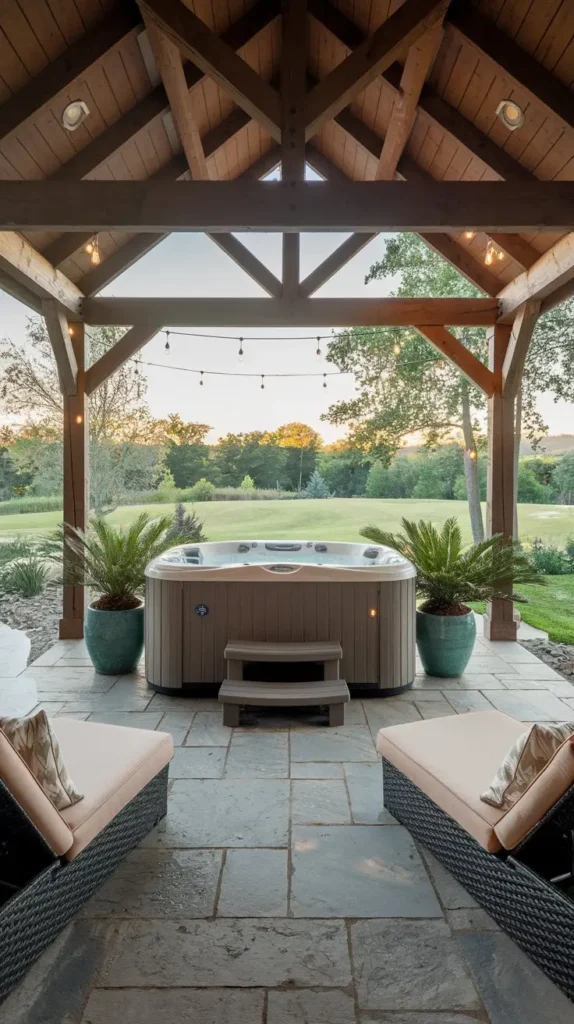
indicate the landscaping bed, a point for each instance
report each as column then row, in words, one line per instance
column 37, row 616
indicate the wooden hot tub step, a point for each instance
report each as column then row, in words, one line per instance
column 237, row 692
column 265, row 650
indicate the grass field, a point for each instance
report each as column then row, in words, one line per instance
column 550, row 607
column 330, row 519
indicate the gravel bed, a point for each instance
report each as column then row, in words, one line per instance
column 38, row 617
column 559, row 656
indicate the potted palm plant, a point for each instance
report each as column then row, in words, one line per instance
column 112, row 560
column 448, row 577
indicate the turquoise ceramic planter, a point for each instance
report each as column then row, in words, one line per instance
column 114, row 639
column 445, row 642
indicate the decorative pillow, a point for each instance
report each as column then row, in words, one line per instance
column 33, row 739
column 524, row 761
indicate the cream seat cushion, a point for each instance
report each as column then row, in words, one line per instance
column 110, row 764
column 27, row 792
column 453, row 760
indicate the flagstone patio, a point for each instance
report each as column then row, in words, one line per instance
column 278, row 890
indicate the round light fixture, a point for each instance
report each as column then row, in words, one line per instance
column 74, row 114
column 510, row 114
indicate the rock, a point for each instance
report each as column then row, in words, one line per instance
column 38, row 617
column 559, row 656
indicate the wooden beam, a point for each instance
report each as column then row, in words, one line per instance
column 463, row 260
column 245, row 259
column 368, row 60
column 62, row 346
column 420, row 59
column 20, row 292
column 515, row 62
column 61, row 72
column 499, row 622
column 76, row 485
column 179, row 312
column 170, row 66
column 293, row 93
column 517, row 248
column 218, row 60
column 368, row 206
column 118, row 354
column 156, row 103
column 448, row 345
column 515, row 356
column 337, row 259
column 553, row 270
column 19, row 260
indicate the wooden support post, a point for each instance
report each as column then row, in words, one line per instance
column 76, row 480
column 499, row 621
column 293, row 91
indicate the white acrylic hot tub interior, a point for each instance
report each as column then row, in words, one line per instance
column 221, row 554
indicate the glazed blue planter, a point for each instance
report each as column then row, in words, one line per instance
column 445, row 642
column 114, row 639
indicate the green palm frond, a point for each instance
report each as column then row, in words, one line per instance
column 448, row 575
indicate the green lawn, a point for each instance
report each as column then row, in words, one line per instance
column 550, row 607
column 331, row 519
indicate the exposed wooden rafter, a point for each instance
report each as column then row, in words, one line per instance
column 218, row 60
column 29, row 269
column 518, row 345
column 333, row 263
column 293, row 91
column 132, row 341
column 457, row 353
column 62, row 347
column 552, row 271
column 177, row 312
column 245, row 259
column 366, row 206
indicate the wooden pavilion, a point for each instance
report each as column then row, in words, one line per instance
column 455, row 121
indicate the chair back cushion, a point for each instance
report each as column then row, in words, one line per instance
column 38, row 746
column 539, row 798
column 27, row 792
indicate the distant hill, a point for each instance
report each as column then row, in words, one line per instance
column 554, row 444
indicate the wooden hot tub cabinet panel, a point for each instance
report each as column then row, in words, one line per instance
column 373, row 622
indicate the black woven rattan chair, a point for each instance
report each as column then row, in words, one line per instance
column 528, row 889
column 40, row 891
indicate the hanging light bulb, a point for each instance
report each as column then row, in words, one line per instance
column 240, row 353
column 471, row 454
column 89, row 247
column 324, row 380
column 500, row 255
column 318, row 352
column 263, row 382
column 95, row 257
column 469, row 235
column 167, row 345
column 489, row 257
column 201, row 378
column 71, row 331
column 397, row 348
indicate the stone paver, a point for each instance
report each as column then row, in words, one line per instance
column 348, row 743
column 532, row 706
column 316, row 770
column 359, row 871
column 317, row 1007
column 254, row 884
column 197, row 763
column 264, row 758
column 175, row 1006
column 207, row 730
column 365, row 788
column 319, row 802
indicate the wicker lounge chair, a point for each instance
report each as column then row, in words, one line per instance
column 50, row 861
column 518, row 864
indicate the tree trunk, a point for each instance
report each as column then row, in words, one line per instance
column 471, row 472
column 517, row 437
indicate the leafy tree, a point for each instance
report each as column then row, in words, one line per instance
column 529, row 487
column 392, row 481
column 344, row 470
column 294, row 435
column 247, row 483
column 187, row 463
column 237, row 455
column 564, row 477
column 316, row 488
column 13, row 481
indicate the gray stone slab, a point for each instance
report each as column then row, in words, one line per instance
column 207, row 731
column 258, row 755
column 133, row 720
column 172, row 703
column 468, row 700
column 17, row 696
column 308, row 1007
column 316, row 770
column 160, row 883
column 365, row 787
column 385, row 711
column 175, row 1006
column 486, row 663
column 254, row 884
column 473, row 919
column 348, row 743
column 410, row 965
column 538, row 670
column 108, row 702
column 197, row 763
column 416, row 1018
column 177, row 723
column 469, row 681
column 355, row 713
column 55, row 988
column 512, row 987
column 226, row 812
column 451, row 893
column 359, row 871
column 436, row 709
column 73, row 679
column 240, row 953
column 418, row 695
column 532, row 706
column 319, row 802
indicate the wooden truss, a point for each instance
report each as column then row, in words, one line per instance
column 294, row 110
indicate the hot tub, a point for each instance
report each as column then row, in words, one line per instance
column 198, row 597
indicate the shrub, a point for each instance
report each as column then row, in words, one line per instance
column 185, row 525
column 316, row 488
column 11, row 549
column 551, row 560
column 203, row 490
column 26, row 577
column 247, row 483
column 15, row 505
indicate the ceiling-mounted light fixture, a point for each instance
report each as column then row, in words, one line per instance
column 74, row 114
column 510, row 114
column 469, row 235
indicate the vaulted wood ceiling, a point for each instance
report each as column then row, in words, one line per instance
column 98, row 51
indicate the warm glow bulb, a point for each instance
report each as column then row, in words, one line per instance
column 397, row 348
column 90, row 247
column 372, row 613
column 71, row 331
column 95, row 257
column 500, row 255
column 489, row 257
column 472, row 454
column 79, row 419
column 469, row 234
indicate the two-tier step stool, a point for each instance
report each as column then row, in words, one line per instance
column 236, row 691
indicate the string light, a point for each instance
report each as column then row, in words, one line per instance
column 324, row 380
column 89, row 247
column 492, row 253
column 167, row 345
column 71, row 331
column 288, row 337
column 263, row 382
column 94, row 251
column 240, row 353
column 471, row 454
column 469, row 235
column 318, row 352
column 397, row 348
column 201, row 378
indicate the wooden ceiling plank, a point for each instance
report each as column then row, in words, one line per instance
column 333, row 263
column 61, row 342
column 515, row 357
column 63, row 71
column 463, row 260
column 517, row 248
column 553, row 271
column 19, row 260
column 245, row 259
column 515, row 62
column 293, row 95
column 170, row 66
column 156, row 102
column 118, row 354
column 218, row 60
column 457, row 353
column 365, row 63
column 420, row 59
column 364, row 206
column 176, row 312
